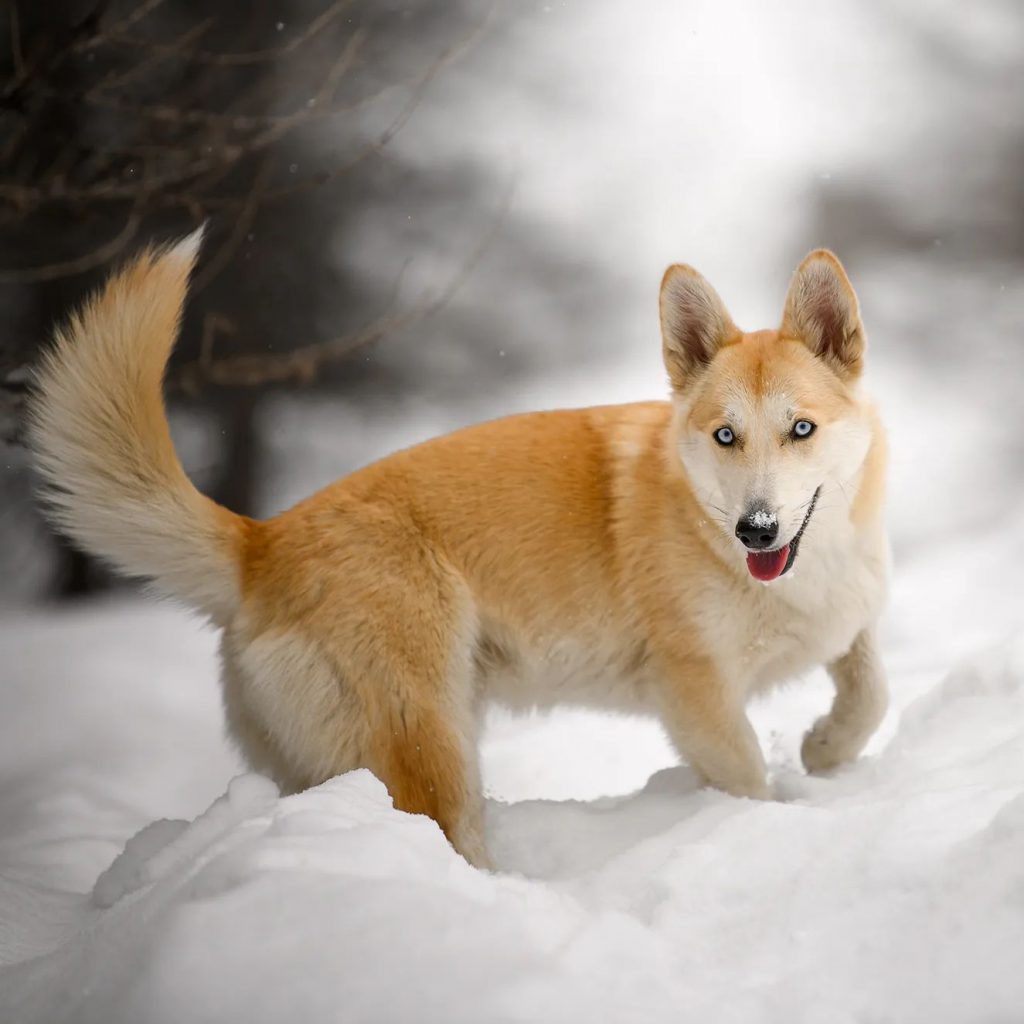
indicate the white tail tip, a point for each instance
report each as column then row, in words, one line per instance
column 187, row 249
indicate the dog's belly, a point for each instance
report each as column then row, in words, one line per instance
column 571, row 670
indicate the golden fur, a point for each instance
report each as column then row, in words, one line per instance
column 584, row 555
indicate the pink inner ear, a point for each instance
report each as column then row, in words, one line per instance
column 694, row 322
column 824, row 313
column 830, row 314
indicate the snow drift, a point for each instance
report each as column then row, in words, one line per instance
column 892, row 891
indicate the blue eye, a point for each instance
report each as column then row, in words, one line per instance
column 724, row 436
column 803, row 428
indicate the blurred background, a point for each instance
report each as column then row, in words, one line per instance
column 426, row 213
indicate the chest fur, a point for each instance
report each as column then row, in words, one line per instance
column 760, row 635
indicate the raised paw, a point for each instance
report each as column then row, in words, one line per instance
column 827, row 746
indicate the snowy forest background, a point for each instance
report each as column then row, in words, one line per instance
column 422, row 214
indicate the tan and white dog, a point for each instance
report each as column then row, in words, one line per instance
column 614, row 556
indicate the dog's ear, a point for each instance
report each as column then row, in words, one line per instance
column 822, row 312
column 694, row 323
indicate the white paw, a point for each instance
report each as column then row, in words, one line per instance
column 473, row 848
column 827, row 745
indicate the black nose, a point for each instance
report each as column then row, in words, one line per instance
column 758, row 531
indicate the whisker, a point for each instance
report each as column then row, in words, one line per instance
column 849, row 500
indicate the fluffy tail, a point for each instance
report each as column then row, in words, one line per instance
column 112, row 479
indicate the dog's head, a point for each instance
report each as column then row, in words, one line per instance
column 766, row 422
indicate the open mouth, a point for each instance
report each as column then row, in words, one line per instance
column 770, row 565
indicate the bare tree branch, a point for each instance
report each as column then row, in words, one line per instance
column 169, row 153
column 17, row 57
column 51, row 57
column 226, row 154
column 178, row 48
column 302, row 365
column 243, row 223
column 26, row 197
column 241, row 59
column 80, row 264
column 103, row 35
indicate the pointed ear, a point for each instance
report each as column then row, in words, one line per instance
column 822, row 312
column 694, row 323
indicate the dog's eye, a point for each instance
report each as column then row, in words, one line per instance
column 803, row 428
column 724, row 436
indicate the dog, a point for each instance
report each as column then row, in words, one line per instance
column 672, row 557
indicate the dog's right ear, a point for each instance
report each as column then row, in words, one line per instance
column 694, row 324
column 822, row 312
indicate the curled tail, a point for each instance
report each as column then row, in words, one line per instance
column 98, row 426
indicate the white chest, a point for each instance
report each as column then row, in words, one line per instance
column 762, row 634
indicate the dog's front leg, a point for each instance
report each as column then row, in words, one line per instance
column 707, row 723
column 862, row 696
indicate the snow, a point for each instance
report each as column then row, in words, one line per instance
column 894, row 890
column 763, row 518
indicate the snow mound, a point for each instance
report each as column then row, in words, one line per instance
column 894, row 890
column 165, row 845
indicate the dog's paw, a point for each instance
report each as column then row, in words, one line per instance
column 754, row 788
column 825, row 747
column 470, row 843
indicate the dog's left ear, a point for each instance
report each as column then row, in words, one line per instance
column 822, row 312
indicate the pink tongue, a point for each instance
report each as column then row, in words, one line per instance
column 767, row 565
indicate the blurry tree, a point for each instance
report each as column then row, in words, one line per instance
column 930, row 221
column 127, row 120
column 952, row 190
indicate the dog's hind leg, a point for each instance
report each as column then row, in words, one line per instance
column 255, row 744
column 430, row 766
column 423, row 739
column 860, row 704
column 360, row 655
column 407, row 655
column 401, row 705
